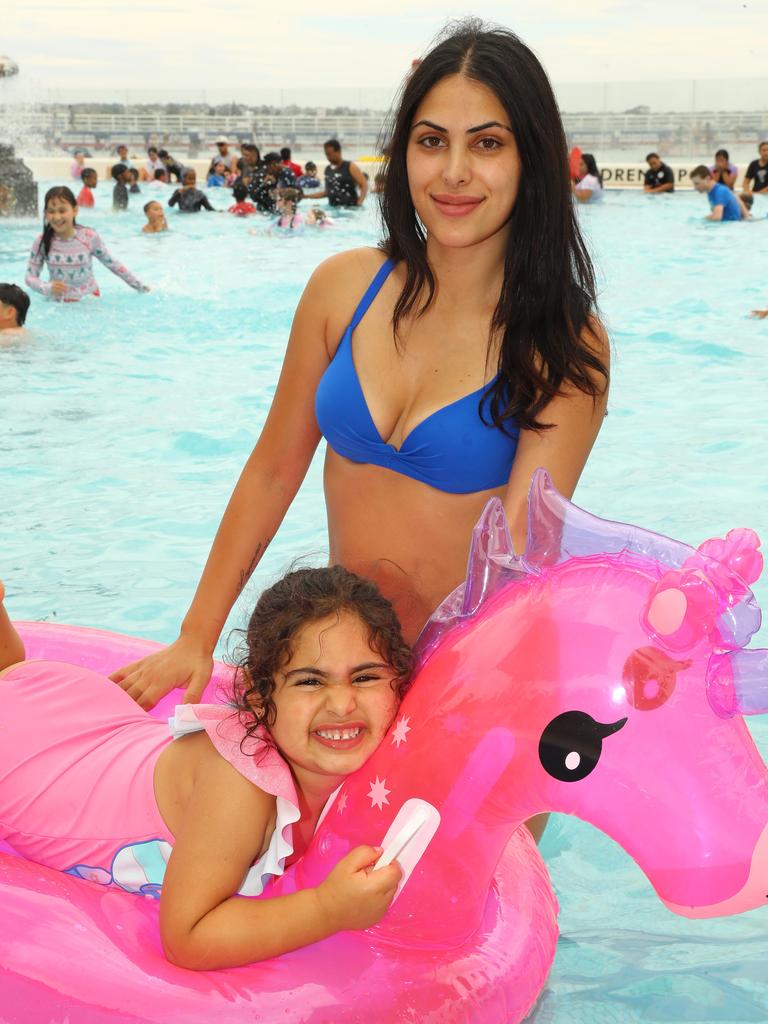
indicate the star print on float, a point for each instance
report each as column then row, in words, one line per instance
column 378, row 793
column 401, row 730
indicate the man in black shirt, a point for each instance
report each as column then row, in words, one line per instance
column 659, row 177
column 271, row 176
column 756, row 178
column 345, row 183
column 249, row 164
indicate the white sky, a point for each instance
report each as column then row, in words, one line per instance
column 227, row 50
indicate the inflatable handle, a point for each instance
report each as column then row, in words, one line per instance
column 408, row 837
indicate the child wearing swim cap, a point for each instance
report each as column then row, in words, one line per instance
column 223, row 802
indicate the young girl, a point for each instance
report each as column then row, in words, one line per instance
column 68, row 249
column 318, row 218
column 92, row 785
column 217, row 175
column 288, row 217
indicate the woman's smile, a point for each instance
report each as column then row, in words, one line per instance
column 456, row 206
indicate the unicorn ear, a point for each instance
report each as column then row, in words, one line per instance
column 737, row 683
column 491, row 565
column 559, row 530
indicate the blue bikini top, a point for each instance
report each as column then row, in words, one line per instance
column 453, row 449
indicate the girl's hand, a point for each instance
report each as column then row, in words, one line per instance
column 185, row 663
column 59, row 288
column 353, row 896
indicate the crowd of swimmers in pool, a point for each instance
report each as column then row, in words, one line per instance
column 273, row 185
column 717, row 181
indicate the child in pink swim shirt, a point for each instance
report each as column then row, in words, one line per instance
column 220, row 804
column 68, row 249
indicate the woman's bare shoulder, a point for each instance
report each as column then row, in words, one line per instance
column 336, row 287
column 346, row 269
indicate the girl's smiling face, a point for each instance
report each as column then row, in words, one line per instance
column 61, row 216
column 463, row 163
column 334, row 700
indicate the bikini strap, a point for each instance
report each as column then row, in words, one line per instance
column 373, row 290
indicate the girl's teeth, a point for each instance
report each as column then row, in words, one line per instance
column 338, row 734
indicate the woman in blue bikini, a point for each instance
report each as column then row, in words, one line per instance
column 474, row 356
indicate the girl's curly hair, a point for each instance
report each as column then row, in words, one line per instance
column 302, row 596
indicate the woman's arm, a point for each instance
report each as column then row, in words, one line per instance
column 263, row 494
column 204, row 926
column 583, row 194
column 174, row 198
column 564, row 448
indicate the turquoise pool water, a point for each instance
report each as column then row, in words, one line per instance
column 126, row 421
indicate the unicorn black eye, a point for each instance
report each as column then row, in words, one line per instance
column 572, row 743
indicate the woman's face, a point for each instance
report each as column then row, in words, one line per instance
column 583, row 169
column 463, row 163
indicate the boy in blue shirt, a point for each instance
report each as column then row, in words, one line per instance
column 725, row 204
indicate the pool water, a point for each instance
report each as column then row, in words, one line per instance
column 126, row 421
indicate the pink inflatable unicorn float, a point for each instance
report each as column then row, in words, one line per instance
column 604, row 674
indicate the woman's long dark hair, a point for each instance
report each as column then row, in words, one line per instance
column 591, row 164
column 545, row 309
column 57, row 192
